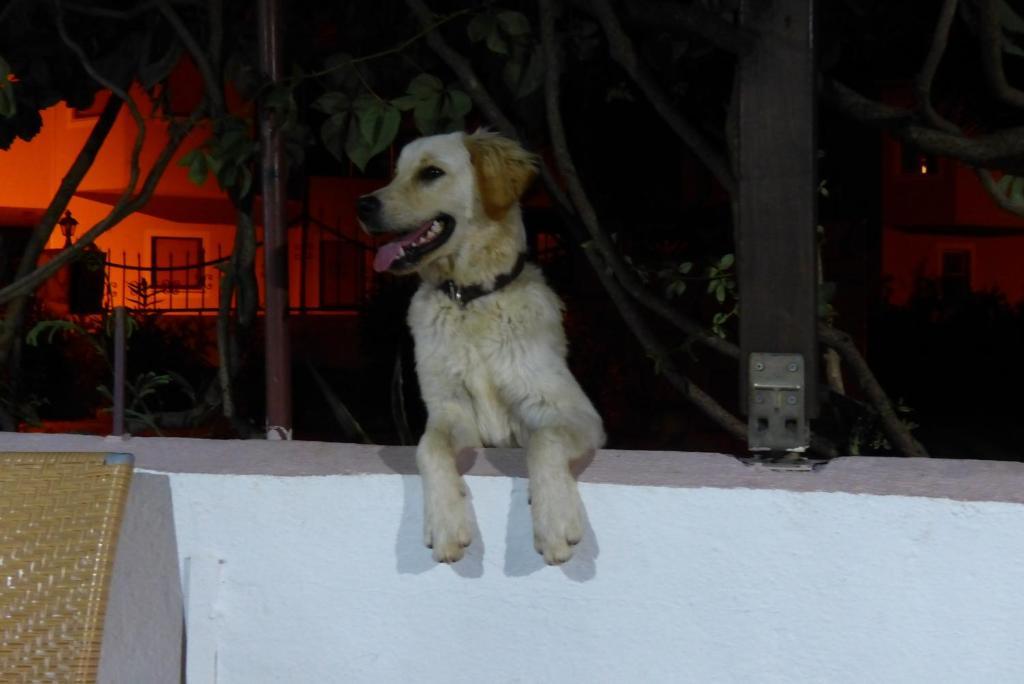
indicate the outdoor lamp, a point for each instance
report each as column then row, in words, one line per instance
column 67, row 226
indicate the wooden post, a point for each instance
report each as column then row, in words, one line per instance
column 778, row 218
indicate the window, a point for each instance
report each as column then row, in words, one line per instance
column 956, row 272
column 914, row 162
column 176, row 263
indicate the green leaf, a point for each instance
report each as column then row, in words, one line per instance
column 281, row 101
column 720, row 293
column 1017, row 190
column 357, row 148
column 496, row 43
column 234, row 143
column 332, row 132
column 244, row 181
column 332, row 103
column 228, row 176
column 676, row 288
column 378, row 121
column 425, row 86
column 197, row 168
column 726, row 261
column 405, row 102
column 183, row 384
column 388, row 129
column 514, row 23
column 685, row 267
column 376, row 125
column 481, row 26
column 460, row 103
column 524, row 71
column 8, row 103
column 213, row 163
column 427, row 114
column 186, row 159
column 50, row 330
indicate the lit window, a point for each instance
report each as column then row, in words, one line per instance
column 176, row 263
column 918, row 163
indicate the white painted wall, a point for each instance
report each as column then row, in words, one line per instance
column 302, row 562
column 325, row 579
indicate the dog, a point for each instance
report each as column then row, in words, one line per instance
column 489, row 342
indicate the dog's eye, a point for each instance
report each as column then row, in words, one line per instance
column 429, row 173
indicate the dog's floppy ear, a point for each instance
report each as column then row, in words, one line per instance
column 503, row 170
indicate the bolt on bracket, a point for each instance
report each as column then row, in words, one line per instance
column 777, row 415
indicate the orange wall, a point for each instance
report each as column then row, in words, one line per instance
column 953, row 200
column 996, row 262
column 30, row 172
column 913, row 200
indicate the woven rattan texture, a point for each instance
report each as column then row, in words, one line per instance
column 59, row 519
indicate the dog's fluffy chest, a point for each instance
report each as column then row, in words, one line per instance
column 487, row 350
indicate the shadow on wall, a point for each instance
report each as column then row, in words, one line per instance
column 521, row 559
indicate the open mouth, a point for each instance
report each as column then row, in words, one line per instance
column 409, row 249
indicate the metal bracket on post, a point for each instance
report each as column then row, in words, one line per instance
column 777, row 403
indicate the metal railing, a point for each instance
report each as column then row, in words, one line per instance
column 331, row 274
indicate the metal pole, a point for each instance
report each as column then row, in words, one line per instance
column 119, row 360
column 275, row 239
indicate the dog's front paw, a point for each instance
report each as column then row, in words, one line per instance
column 446, row 527
column 557, row 518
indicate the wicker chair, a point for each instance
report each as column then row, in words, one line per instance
column 60, row 515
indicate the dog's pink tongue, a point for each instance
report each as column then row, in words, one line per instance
column 386, row 255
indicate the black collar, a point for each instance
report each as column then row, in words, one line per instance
column 464, row 294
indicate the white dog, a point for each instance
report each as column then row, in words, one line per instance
column 490, row 348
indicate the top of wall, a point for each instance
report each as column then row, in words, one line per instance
column 963, row 480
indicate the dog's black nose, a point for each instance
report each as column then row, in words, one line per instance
column 368, row 206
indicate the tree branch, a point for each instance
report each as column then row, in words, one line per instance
column 123, row 208
column 92, row 10
column 15, row 312
column 607, row 252
column 991, row 42
column 869, row 111
column 588, row 216
column 213, row 92
column 660, row 356
column 1001, row 149
column 898, row 434
column 623, row 52
column 690, row 18
column 923, row 82
column 116, row 89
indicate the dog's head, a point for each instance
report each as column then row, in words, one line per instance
column 446, row 187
